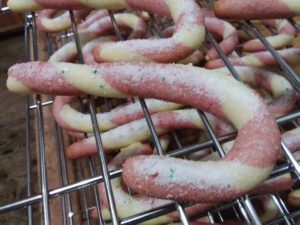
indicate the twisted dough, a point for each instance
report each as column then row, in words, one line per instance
column 68, row 52
column 128, row 205
column 46, row 21
column 87, row 52
column 163, row 122
column 286, row 33
column 248, row 163
column 259, row 59
column 282, row 91
column 228, row 33
column 220, row 28
column 87, row 49
column 138, row 130
column 71, row 119
column 34, row 5
column 188, row 37
column 256, row 9
column 104, row 24
column 100, row 27
column 291, row 139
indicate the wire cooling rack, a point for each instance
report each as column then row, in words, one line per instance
column 94, row 170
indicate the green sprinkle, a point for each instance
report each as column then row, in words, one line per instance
column 101, row 85
column 62, row 71
column 172, row 173
column 163, row 79
column 95, row 71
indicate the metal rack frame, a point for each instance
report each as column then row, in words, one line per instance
column 242, row 208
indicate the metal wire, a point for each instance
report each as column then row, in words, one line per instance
column 27, row 126
column 101, row 155
column 40, row 133
column 4, row 9
column 66, row 204
column 282, row 208
column 244, row 204
column 149, row 121
column 292, row 76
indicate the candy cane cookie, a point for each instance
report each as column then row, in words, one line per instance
column 88, row 56
column 223, row 29
column 68, row 52
column 128, row 205
column 294, row 198
column 92, row 18
column 228, row 34
column 188, row 36
column 256, row 9
column 138, row 131
column 291, row 139
column 100, row 27
column 194, row 58
column 283, row 93
column 218, row 27
column 34, row 5
column 199, row 88
column 70, row 119
column 286, row 33
column 46, row 20
column 104, row 24
column 87, row 50
column 259, row 59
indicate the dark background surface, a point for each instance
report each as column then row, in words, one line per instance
column 12, row 134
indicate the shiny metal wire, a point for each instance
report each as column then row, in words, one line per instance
column 86, row 183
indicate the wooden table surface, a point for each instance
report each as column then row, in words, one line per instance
column 12, row 135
